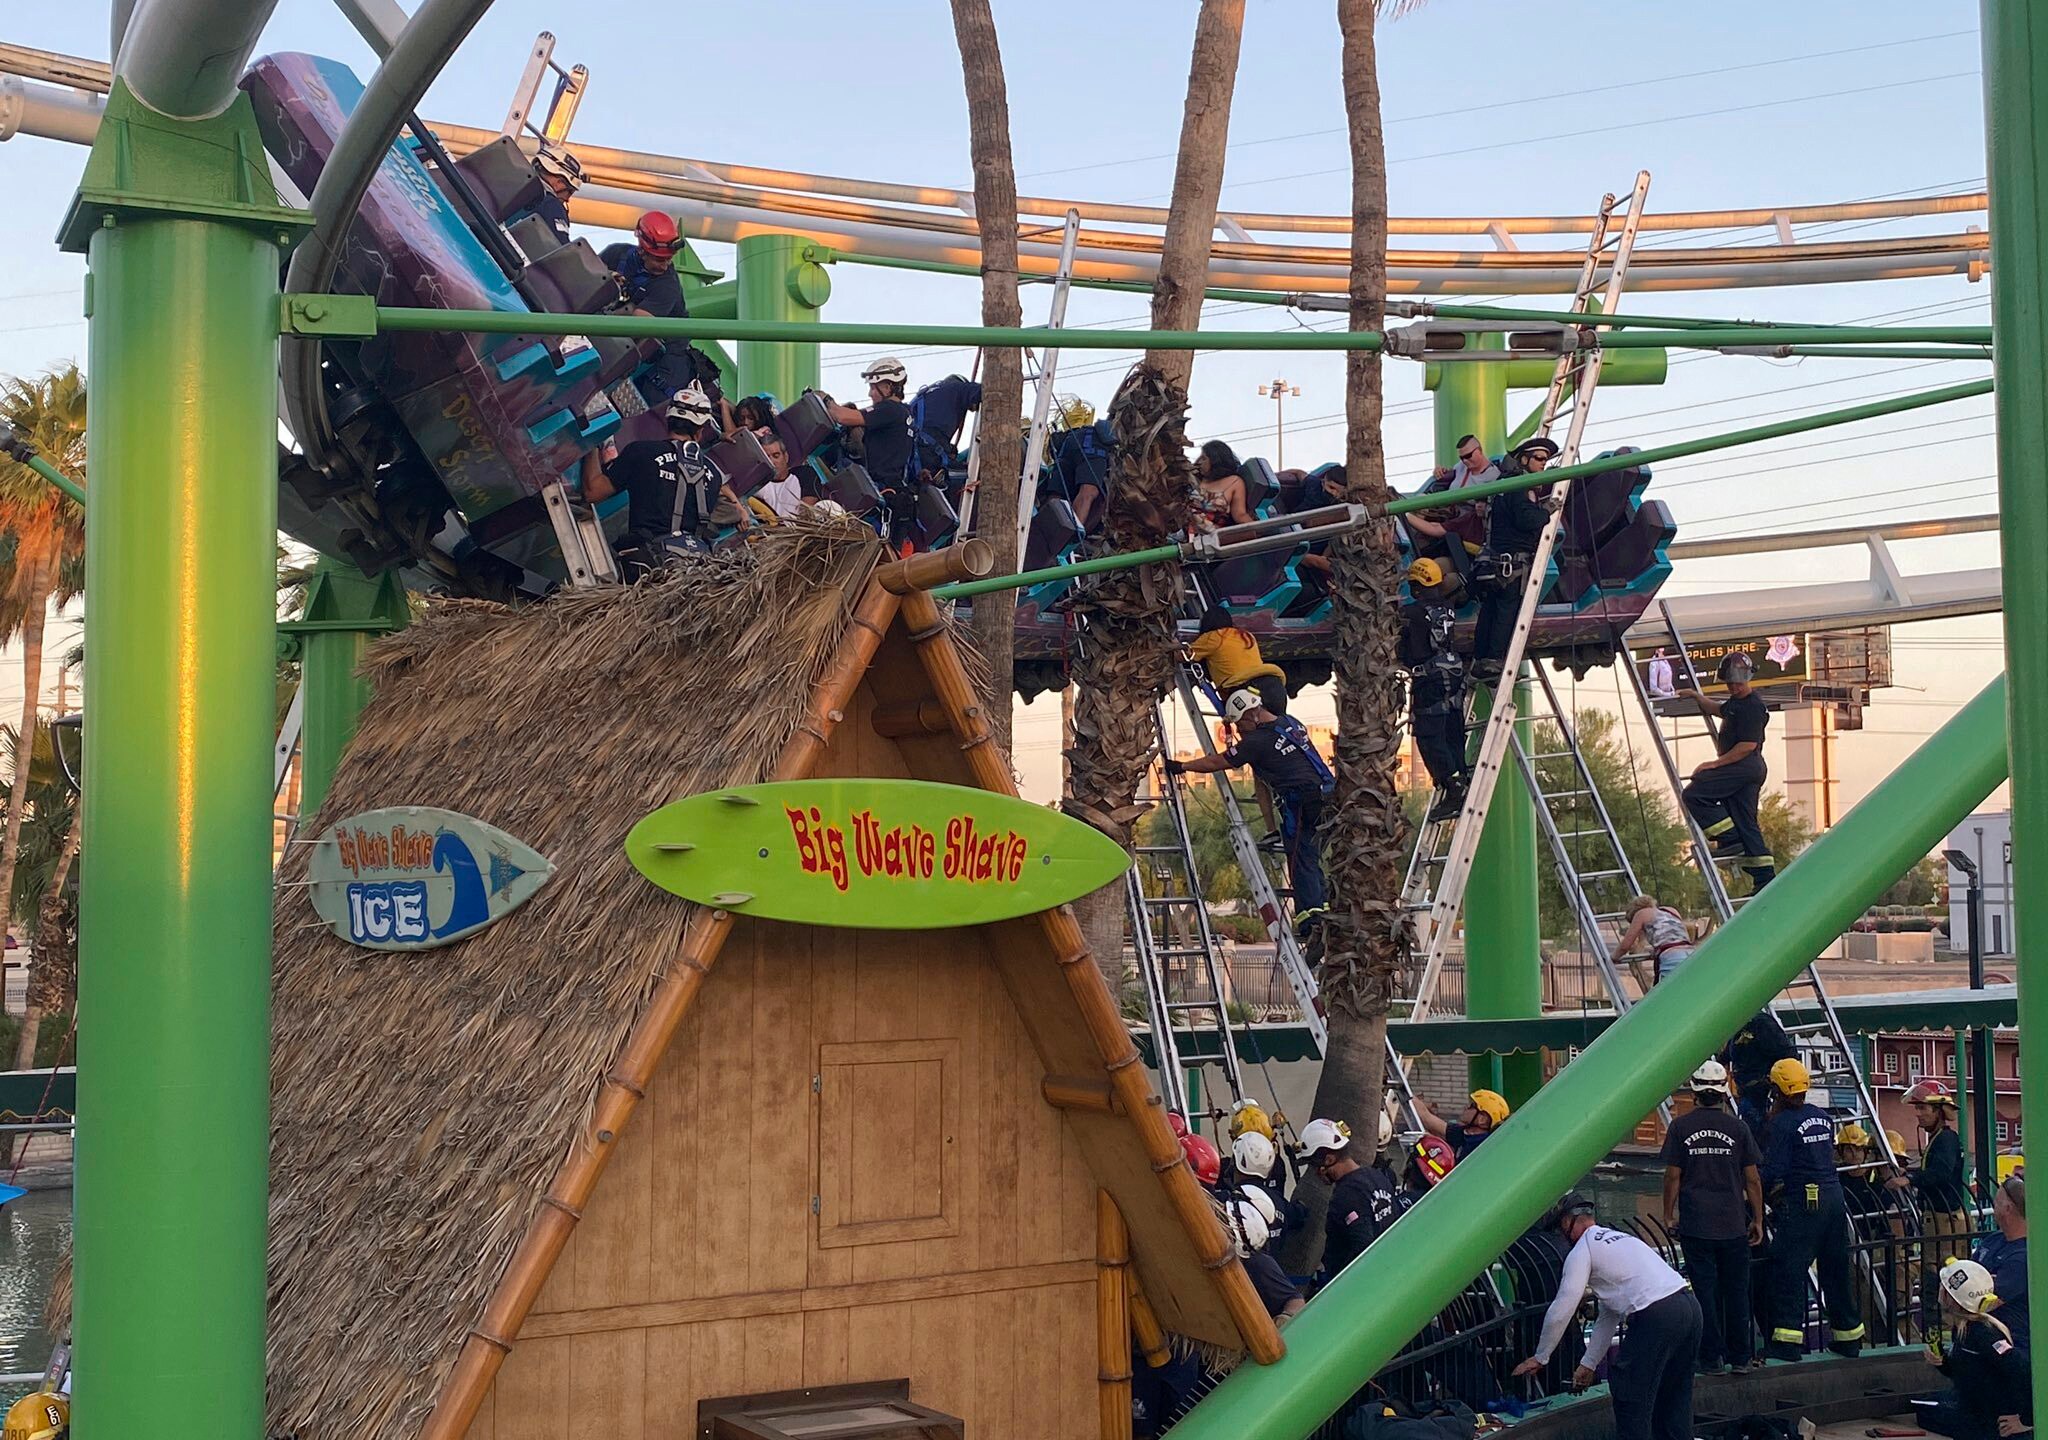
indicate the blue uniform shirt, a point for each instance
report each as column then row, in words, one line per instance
column 2007, row 1262
column 1799, row 1149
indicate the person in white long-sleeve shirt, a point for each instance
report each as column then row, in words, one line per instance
column 1651, row 1378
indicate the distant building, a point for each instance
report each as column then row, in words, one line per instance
column 1987, row 839
column 1901, row 1059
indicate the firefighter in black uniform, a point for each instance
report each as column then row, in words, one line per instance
column 1757, row 1046
column 1723, row 792
column 1810, row 1223
column 1993, row 1395
column 1361, row 1196
column 1512, row 533
column 674, row 491
column 1941, row 1185
column 1436, row 703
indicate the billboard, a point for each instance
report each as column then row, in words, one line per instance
column 1780, row 660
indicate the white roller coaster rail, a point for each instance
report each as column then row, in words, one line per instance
column 52, row 96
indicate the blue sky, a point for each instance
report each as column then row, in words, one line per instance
column 1754, row 104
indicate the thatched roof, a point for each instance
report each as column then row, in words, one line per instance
column 422, row 1102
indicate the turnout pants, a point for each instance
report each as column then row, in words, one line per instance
column 1440, row 741
column 1301, row 831
column 1945, row 1236
column 1723, row 801
column 1651, row 1377
column 1496, row 623
column 1719, row 1271
column 1811, row 1227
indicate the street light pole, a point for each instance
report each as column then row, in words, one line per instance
column 1279, row 389
column 1984, row 1102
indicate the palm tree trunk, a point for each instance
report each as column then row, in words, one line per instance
column 33, row 620
column 1366, row 841
column 47, row 991
column 993, row 624
column 1125, row 665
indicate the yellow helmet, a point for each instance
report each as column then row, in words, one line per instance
column 1852, row 1134
column 2008, row 1163
column 1492, row 1104
column 1076, row 413
column 1249, row 1118
column 40, row 1416
column 1896, row 1141
column 1425, row 572
column 1790, row 1078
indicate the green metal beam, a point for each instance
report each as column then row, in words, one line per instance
column 344, row 608
column 1655, row 454
column 1533, row 372
column 2015, row 40
column 778, row 283
column 56, row 477
column 1361, row 1320
column 181, row 653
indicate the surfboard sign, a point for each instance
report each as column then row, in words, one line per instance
column 411, row 878
column 872, row 854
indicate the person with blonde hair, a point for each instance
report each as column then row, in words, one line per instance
column 1661, row 928
column 1990, row 1394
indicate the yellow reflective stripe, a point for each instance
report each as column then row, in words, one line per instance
column 1856, row 1334
column 1794, row 1337
column 1720, row 827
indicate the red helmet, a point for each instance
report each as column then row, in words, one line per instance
column 1930, row 1092
column 1436, row 1157
column 657, row 235
column 1202, row 1159
column 1177, row 1123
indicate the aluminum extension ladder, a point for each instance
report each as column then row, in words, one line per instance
column 1825, row 1036
column 1201, row 705
column 1433, row 895
column 1178, row 965
column 585, row 551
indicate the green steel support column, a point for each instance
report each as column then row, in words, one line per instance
column 344, row 608
column 2015, row 39
column 1503, row 964
column 778, row 281
column 1503, row 933
column 1363, row 1318
column 174, row 966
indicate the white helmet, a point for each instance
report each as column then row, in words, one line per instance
column 1320, row 1135
column 1712, row 1075
column 1249, row 1228
column 1254, row 1154
column 1386, row 1129
column 1967, row 1286
column 691, row 404
column 1240, row 704
column 1263, row 1203
column 560, row 164
column 886, row 368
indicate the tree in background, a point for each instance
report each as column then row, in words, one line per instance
column 44, row 560
column 1919, row 886
column 1644, row 815
column 1209, row 834
column 996, row 436
column 1785, row 828
column 1367, row 836
column 41, row 886
column 1123, row 670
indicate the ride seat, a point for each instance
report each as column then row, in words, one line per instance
column 936, row 517
column 503, row 178
column 568, row 279
column 1053, row 531
column 804, row 425
column 853, row 489
column 745, row 463
column 1260, row 483
column 1250, row 578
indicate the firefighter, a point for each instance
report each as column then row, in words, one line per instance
column 1810, row 1223
column 1724, row 792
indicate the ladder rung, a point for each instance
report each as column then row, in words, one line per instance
column 1599, row 875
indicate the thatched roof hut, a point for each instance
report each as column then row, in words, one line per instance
column 441, row 1118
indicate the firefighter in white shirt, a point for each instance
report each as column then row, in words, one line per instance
column 1651, row 1377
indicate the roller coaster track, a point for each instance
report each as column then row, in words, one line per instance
column 53, row 96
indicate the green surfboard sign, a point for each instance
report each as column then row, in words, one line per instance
column 872, row 854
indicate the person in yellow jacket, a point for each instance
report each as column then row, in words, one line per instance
column 1229, row 654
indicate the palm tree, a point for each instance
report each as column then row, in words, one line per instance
column 1366, row 843
column 996, row 436
column 45, row 533
column 49, row 845
column 1123, row 671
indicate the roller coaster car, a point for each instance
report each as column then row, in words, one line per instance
column 1609, row 562
column 448, row 438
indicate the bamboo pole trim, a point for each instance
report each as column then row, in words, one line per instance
column 574, row 1212
column 622, row 1083
column 497, row 1343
